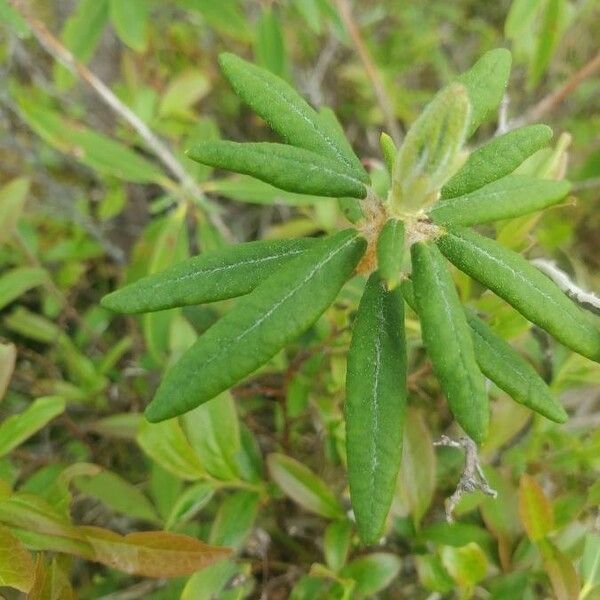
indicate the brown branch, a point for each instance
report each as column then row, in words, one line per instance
column 61, row 54
column 383, row 99
column 552, row 100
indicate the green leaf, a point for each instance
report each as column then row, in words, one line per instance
column 416, row 483
column 467, row 565
column 519, row 17
column 87, row 146
column 375, row 405
column 286, row 167
column 486, row 82
column 560, row 570
column 182, row 93
column 208, row 583
column 118, row 494
column 430, row 151
column 336, row 543
column 81, row 34
column 372, row 573
column 8, row 357
column 228, row 272
column 213, row 430
column 390, row 252
column 18, row 428
column 389, row 151
column 189, row 503
column 448, row 340
column 590, row 563
column 13, row 19
column 535, row 509
column 501, row 363
column 432, row 573
column 287, row 112
column 166, row 444
column 304, row 487
column 506, row 198
column 16, row 564
column 262, row 323
column 553, row 21
column 225, row 16
column 12, row 201
column 16, row 282
column 523, row 286
column 496, row 159
column 235, row 519
column 130, row 20
column 269, row 47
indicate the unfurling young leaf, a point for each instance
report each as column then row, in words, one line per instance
column 262, row 323
column 286, row 167
column 228, row 272
column 496, row 159
column 511, row 196
column 390, row 252
column 287, row 112
column 523, row 286
column 375, row 405
column 431, row 149
column 448, row 340
column 486, row 82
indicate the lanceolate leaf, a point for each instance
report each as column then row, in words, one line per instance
column 511, row 196
column 12, row 201
column 375, row 405
column 431, row 148
column 18, row 281
column 286, row 167
column 501, row 363
column 287, row 112
column 303, row 486
column 261, row 324
column 448, row 340
column 224, row 273
column 486, row 81
column 533, row 294
column 499, row 157
column 535, row 509
column 390, row 251
column 16, row 564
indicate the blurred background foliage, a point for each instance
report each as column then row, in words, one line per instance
column 87, row 204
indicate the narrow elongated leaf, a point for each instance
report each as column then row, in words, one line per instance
column 448, row 340
column 130, row 20
column 18, row 281
column 286, row 167
column 501, row 363
column 8, row 357
column 89, row 147
column 590, row 563
column 390, row 252
column 375, row 405
column 486, row 82
column 535, row 509
column 224, row 273
column 81, row 35
column 166, row 444
column 431, row 148
column 496, row 159
column 16, row 564
column 189, row 502
column 269, row 46
column 151, row 553
column 16, row 429
column 235, row 519
column 389, row 151
column 372, row 573
column 262, row 323
column 553, row 22
column 303, row 486
column 511, row 196
column 336, row 543
column 287, row 112
column 523, row 286
column 561, row 572
column 12, row 200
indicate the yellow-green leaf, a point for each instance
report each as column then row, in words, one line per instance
column 16, row 564
column 535, row 509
